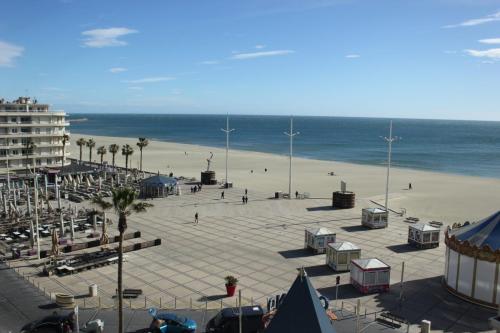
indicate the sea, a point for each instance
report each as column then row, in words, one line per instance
column 450, row 146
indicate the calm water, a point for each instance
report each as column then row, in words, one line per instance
column 464, row 147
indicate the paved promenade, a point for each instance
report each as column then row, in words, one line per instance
column 261, row 243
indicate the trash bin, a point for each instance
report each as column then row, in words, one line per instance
column 93, row 290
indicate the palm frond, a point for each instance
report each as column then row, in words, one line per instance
column 141, row 207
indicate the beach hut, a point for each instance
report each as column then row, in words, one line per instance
column 318, row 238
column 423, row 235
column 374, row 218
column 370, row 275
column 157, row 186
column 472, row 260
column 339, row 255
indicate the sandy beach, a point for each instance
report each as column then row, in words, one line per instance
column 435, row 196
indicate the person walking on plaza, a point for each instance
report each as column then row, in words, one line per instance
column 222, row 195
column 246, row 191
column 243, row 199
column 196, row 218
column 246, row 199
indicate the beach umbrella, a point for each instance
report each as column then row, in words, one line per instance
column 104, row 236
column 55, row 243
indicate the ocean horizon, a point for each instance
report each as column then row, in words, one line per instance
column 467, row 147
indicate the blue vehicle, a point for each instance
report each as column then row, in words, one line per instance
column 164, row 322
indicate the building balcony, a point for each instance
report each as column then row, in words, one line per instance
column 34, row 124
column 38, row 145
column 30, row 157
column 34, row 112
column 32, row 135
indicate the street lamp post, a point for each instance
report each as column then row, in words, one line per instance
column 389, row 141
column 291, row 134
column 227, row 130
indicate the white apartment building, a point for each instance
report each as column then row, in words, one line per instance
column 31, row 135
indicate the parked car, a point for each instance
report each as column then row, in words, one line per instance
column 51, row 324
column 227, row 320
column 164, row 322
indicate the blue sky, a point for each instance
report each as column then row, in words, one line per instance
column 411, row 59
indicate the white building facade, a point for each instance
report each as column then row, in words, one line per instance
column 31, row 136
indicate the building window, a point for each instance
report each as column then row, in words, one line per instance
column 3, row 152
column 13, row 119
column 37, row 131
column 13, row 130
column 49, row 161
column 15, row 152
column 15, row 141
column 25, row 130
column 38, row 161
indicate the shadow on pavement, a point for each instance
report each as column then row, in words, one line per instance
column 297, row 253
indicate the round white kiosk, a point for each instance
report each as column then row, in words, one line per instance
column 472, row 260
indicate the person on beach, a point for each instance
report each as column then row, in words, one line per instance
column 409, row 186
column 246, row 199
column 296, row 194
column 246, row 191
column 243, row 199
column 222, row 195
column 196, row 218
column 265, row 170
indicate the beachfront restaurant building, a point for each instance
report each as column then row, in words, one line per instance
column 472, row 260
column 157, row 186
column 339, row 255
column 423, row 235
column 370, row 275
column 318, row 239
column 374, row 218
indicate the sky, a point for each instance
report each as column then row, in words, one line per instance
column 368, row 58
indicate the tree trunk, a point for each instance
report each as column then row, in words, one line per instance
column 64, row 150
column 101, row 158
column 113, row 161
column 81, row 154
column 141, row 159
column 90, row 156
column 126, row 164
column 120, row 287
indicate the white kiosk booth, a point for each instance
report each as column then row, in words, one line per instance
column 423, row 235
column 473, row 259
column 339, row 255
column 318, row 238
column 374, row 218
column 370, row 275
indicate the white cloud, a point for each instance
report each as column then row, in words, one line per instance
column 9, row 52
column 259, row 46
column 136, row 88
column 473, row 22
column 352, row 56
column 151, row 79
column 106, row 37
column 491, row 53
column 253, row 55
column 118, row 70
column 209, row 62
column 490, row 41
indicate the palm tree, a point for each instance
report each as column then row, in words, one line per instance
column 30, row 146
column 143, row 142
column 124, row 204
column 101, row 151
column 91, row 145
column 65, row 139
column 113, row 149
column 80, row 143
column 127, row 150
